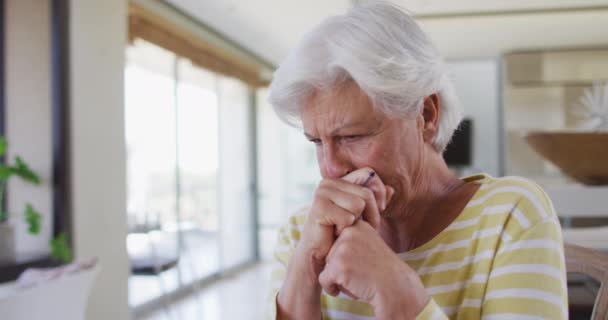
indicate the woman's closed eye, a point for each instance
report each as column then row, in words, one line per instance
column 351, row 138
column 317, row 142
column 347, row 138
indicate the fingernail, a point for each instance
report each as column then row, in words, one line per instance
column 369, row 178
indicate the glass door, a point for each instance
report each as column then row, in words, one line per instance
column 190, row 195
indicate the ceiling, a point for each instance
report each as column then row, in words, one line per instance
column 269, row 28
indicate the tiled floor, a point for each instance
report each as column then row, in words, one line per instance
column 243, row 296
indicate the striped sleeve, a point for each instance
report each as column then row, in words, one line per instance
column 431, row 311
column 528, row 278
column 288, row 236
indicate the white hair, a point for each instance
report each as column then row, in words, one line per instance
column 379, row 47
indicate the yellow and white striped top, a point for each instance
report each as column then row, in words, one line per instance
column 501, row 258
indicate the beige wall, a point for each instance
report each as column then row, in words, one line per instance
column 28, row 111
column 98, row 37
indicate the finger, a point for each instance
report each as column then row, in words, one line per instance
column 380, row 192
column 348, row 241
column 331, row 255
column 371, row 214
column 358, row 176
column 390, row 192
column 370, row 211
column 348, row 293
column 372, row 180
column 331, row 214
column 328, row 282
column 344, row 195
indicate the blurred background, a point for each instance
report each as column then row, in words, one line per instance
column 148, row 124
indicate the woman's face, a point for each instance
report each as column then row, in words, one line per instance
column 349, row 134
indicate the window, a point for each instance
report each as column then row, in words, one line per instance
column 190, row 197
column 287, row 169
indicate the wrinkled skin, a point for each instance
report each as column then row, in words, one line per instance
column 353, row 232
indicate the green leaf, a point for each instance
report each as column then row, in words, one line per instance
column 33, row 219
column 3, row 146
column 60, row 249
column 24, row 172
column 3, row 215
column 5, row 172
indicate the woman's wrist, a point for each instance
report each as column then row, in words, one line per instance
column 395, row 308
column 404, row 297
column 301, row 291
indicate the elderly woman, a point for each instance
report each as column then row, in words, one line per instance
column 392, row 233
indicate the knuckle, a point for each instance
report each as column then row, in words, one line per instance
column 341, row 222
column 319, row 209
column 359, row 205
column 325, row 282
column 350, row 219
column 342, row 268
column 341, row 254
column 320, row 201
column 352, row 236
column 368, row 194
column 347, row 233
column 320, row 191
column 325, row 183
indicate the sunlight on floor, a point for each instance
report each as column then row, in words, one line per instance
column 242, row 296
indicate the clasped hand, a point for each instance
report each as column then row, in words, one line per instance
column 341, row 237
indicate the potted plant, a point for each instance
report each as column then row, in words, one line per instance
column 17, row 169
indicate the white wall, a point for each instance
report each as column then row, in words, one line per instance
column 491, row 36
column 477, row 86
column 28, row 111
column 98, row 37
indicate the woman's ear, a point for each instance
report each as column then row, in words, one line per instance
column 430, row 115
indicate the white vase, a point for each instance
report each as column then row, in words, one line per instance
column 7, row 244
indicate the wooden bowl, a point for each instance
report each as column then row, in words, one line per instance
column 580, row 155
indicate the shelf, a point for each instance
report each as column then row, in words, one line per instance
column 576, row 200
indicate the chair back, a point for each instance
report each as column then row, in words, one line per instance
column 594, row 265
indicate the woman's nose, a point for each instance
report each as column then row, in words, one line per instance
column 335, row 165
